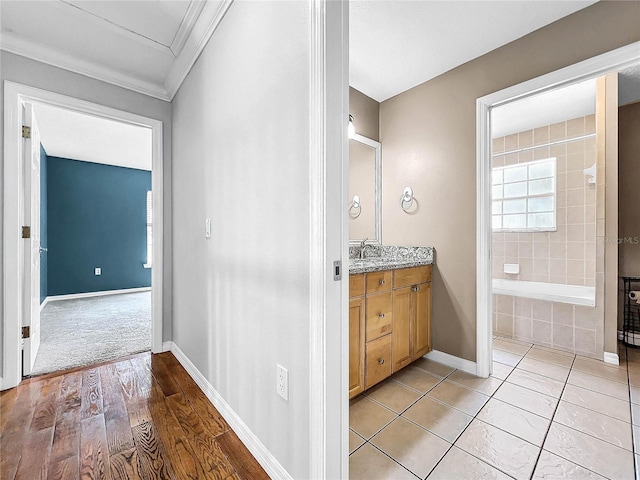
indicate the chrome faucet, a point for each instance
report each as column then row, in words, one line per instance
column 363, row 245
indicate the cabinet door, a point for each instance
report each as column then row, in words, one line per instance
column 401, row 352
column 421, row 334
column 378, row 360
column 356, row 346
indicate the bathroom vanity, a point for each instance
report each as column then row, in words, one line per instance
column 389, row 316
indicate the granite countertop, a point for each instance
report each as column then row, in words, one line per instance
column 379, row 257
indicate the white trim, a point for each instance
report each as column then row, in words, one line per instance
column 166, row 346
column 453, row 361
column 204, row 27
column 248, row 438
column 42, row 305
column 186, row 27
column 101, row 293
column 14, row 95
column 611, row 358
column 593, row 67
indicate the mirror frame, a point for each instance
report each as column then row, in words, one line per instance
column 377, row 146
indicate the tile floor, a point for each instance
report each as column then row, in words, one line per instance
column 542, row 414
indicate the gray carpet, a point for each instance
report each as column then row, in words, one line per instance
column 90, row 330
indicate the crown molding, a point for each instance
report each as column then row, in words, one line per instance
column 42, row 53
column 207, row 22
column 197, row 27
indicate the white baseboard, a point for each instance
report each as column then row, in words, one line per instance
column 611, row 358
column 452, row 361
column 44, row 303
column 166, row 346
column 255, row 446
column 73, row 296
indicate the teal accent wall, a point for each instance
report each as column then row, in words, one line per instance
column 96, row 218
column 43, row 223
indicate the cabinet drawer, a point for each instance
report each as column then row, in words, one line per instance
column 378, row 361
column 356, row 285
column 406, row 277
column 379, row 281
column 378, row 312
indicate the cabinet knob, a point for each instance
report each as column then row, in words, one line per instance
column 381, row 282
column 415, row 289
column 381, row 361
column 381, row 315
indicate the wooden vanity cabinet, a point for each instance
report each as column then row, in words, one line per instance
column 389, row 323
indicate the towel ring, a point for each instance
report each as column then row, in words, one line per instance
column 406, row 200
column 356, row 207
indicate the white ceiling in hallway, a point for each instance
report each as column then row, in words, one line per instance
column 146, row 46
column 396, row 45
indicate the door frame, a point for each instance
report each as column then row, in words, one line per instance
column 590, row 68
column 14, row 95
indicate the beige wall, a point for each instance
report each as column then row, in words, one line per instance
column 567, row 255
column 366, row 114
column 429, row 135
column 629, row 193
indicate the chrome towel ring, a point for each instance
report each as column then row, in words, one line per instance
column 356, row 207
column 406, row 200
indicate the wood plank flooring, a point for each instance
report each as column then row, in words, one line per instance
column 141, row 417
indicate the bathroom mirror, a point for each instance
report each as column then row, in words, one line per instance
column 365, row 190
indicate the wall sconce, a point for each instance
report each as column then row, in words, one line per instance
column 351, row 128
column 406, row 200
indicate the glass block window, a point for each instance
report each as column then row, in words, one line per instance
column 524, row 197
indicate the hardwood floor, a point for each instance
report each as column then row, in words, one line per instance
column 142, row 417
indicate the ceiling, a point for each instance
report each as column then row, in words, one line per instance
column 77, row 136
column 146, row 46
column 396, row 45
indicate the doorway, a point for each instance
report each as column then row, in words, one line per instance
column 15, row 216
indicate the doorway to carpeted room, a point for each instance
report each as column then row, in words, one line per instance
column 85, row 331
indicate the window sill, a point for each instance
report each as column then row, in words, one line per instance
column 146, row 265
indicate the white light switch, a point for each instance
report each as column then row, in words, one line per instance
column 98, row 271
column 207, row 228
column 512, row 268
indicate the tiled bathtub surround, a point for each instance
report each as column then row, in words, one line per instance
column 396, row 253
column 568, row 255
column 572, row 328
column 542, row 414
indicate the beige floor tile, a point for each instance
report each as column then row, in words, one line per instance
column 535, row 382
column 633, row 366
column 598, row 402
column 523, row 424
column 552, row 350
column 355, row 441
column 637, row 466
column 556, row 358
column 636, row 438
column 413, row 447
column 393, row 395
column 599, row 384
column 444, row 421
column 526, row 399
column 635, row 414
column 432, row 367
column 417, row 379
column 553, row 467
column 589, row 452
column 366, row 417
column 500, row 449
column 369, row 463
column 501, row 371
column 511, row 347
column 634, row 378
column 513, row 340
column 462, row 398
column 459, row 465
column 635, row 394
column 545, row 369
column 596, row 424
column 483, row 385
column 507, row 358
column 600, row 369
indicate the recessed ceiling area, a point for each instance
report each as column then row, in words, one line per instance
column 145, row 46
column 77, row 136
column 396, row 45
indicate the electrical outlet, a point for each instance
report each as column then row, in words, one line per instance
column 282, row 384
column 98, row 271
